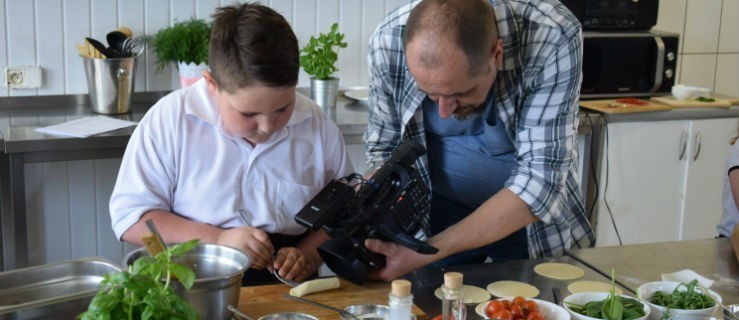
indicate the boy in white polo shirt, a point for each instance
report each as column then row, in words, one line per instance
column 233, row 158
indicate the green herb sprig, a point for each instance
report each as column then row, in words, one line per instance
column 614, row 307
column 143, row 291
column 689, row 299
column 319, row 56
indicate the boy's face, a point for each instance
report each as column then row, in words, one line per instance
column 254, row 113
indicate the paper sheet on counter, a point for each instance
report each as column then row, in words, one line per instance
column 85, row 127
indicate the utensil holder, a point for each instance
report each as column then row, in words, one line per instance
column 110, row 83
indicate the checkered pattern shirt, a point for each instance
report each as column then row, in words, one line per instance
column 536, row 94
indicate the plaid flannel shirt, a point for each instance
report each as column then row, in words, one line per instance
column 536, row 93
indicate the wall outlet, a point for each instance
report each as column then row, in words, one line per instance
column 23, row 77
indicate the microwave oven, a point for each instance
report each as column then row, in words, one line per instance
column 603, row 15
column 628, row 64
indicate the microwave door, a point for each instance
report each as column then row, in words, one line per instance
column 620, row 66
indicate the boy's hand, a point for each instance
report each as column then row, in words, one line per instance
column 293, row 263
column 253, row 241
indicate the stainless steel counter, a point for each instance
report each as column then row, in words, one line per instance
column 426, row 280
column 637, row 264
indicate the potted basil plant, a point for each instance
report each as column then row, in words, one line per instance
column 186, row 44
column 318, row 59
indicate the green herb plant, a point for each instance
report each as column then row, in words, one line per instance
column 318, row 57
column 143, row 291
column 689, row 299
column 614, row 307
column 185, row 41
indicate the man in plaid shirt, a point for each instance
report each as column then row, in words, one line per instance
column 491, row 90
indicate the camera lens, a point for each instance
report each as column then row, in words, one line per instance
column 341, row 259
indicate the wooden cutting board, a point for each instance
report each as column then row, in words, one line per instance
column 692, row 103
column 612, row 106
column 257, row 301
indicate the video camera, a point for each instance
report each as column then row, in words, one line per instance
column 388, row 206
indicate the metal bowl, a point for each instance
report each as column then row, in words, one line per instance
column 288, row 316
column 367, row 311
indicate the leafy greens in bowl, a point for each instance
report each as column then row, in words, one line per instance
column 670, row 299
column 602, row 305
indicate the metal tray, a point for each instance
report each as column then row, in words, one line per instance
column 53, row 291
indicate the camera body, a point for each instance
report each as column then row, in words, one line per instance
column 390, row 206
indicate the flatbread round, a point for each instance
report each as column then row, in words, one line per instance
column 559, row 271
column 510, row 289
column 471, row 294
column 591, row 286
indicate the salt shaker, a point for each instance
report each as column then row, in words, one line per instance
column 400, row 300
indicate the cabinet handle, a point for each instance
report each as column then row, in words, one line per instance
column 697, row 146
column 683, row 145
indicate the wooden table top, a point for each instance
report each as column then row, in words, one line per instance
column 258, row 301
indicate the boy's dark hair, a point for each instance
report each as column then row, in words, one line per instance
column 252, row 44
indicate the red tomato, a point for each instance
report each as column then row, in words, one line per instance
column 437, row 317
column 517, row 312
column 534, row 315
column 633, row 101
column 530, row 306
column 507, row 304
column 494, row 306
column 519, row 300
column 503, row 314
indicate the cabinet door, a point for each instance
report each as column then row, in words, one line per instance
column 640, row 182
column 710, row 141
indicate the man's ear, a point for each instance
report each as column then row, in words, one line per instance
column 498, row 52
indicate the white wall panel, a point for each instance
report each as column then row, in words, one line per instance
column 701, row 26
column 727, row 75
column 49, row 43
column 76, row 17
column 728, row 41
column 21, row 38
column 671, row 17
column 131, row 14
column 157, row 17
column 351, row 62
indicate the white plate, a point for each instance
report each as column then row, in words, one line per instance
column 359, row 94
column 471, row 294
column 548, row 310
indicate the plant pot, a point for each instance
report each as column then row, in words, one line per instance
column 190, row 72
column 323, row 92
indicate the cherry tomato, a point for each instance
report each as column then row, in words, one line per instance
column 503, row 314
column 507, row 304
column 534, row 315
column 494, row 306
column 518, row 300
column 517, row 311
column 530, row 306
column 437, row 317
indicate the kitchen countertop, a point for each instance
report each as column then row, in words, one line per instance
column 637, row 264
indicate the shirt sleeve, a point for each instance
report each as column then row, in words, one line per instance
column 546, row 130
column 146, row 177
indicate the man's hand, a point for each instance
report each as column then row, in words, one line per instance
column 399, row 260
column 253, row 241
column 293, row 263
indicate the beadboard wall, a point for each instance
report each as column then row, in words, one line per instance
column 67, row 202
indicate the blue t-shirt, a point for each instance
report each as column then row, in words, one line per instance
column 469, row 159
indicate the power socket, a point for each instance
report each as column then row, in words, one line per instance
column 23, row 77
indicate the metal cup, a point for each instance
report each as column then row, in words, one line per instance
column 110, row 83
column 324, row 92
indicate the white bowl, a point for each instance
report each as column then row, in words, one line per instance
column 647, row 290
column 548, row 310
column 681, row 92
column 585, row 297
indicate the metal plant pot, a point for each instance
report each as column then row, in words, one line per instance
column 324, row 92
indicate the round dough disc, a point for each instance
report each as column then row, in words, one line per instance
column 472, row 294
column 559, row 271
column 591, row 286
column 510, row 289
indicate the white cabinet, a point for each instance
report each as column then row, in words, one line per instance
column 662, row 180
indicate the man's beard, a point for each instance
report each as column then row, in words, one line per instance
column 464, row 111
